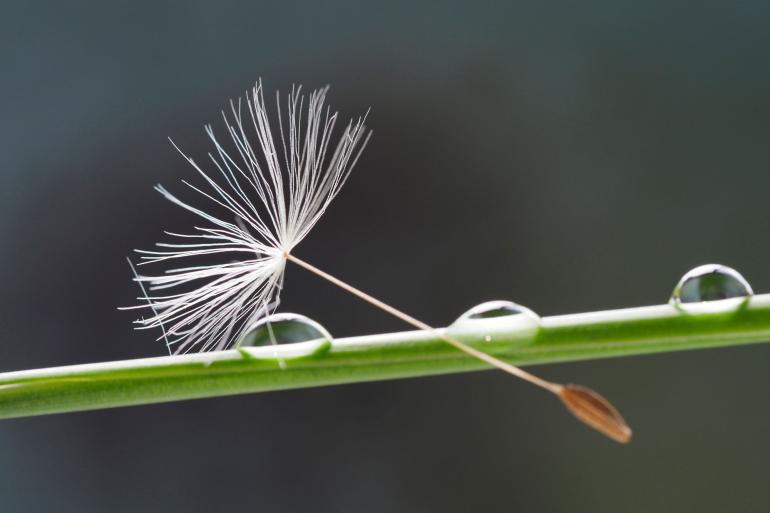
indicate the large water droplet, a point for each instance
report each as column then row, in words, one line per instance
column 283, row 328
column 710, row 282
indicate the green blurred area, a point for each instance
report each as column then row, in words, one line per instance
column 568, row 156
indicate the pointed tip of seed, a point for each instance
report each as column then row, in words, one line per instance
column 595, row 411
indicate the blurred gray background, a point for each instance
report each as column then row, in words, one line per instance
column 570, row 156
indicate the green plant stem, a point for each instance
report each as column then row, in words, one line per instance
column 513, row 339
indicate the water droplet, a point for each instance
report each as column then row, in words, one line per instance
column 710, row 282
column 492, row 309
column 496, row 322
column 283, row 328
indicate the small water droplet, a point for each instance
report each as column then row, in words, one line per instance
column 710, row 282
column 496, row 322
column 492, row 309
column 283, row 328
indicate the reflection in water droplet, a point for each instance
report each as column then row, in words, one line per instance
column 496, row 309
column 283, row 328
column 496, row 322
column 710, row 282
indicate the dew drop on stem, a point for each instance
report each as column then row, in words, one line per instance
column 500, row 314
column 283, row 328
column 492, row 309
column 710, row 282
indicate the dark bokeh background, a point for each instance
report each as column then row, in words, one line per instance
column 570, row 157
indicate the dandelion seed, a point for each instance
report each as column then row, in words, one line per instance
column 292, row 181
column 276, row 194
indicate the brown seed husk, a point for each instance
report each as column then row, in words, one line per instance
column 596, row 411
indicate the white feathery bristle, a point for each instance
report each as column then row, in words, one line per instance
column 275, row 192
